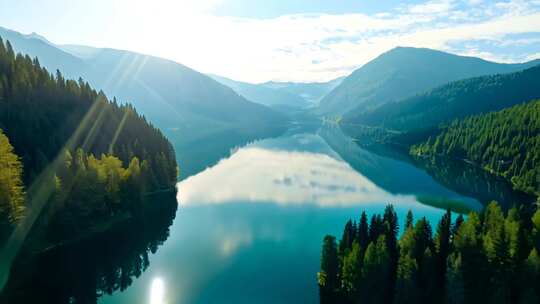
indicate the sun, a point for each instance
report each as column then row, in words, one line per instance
column 157, row 291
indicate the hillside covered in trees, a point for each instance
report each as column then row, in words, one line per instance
column 403, row 72
column 11, row 187
column 84, row 158
column 454, row 100
column 490, row 257
column 506, row 143
column 185, row 104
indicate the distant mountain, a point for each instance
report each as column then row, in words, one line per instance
column 172, row 96
column 49, row 55
column 312, row 92
column 455, row 100
column 403, row 72
column 261, row 94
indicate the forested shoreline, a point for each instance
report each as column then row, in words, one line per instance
column 506, row 143
column 58, row 276
column 487, row 257
column 72, row 153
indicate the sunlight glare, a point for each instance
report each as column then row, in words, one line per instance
column 157, row 291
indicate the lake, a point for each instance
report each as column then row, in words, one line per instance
column 249, row 225
column 249, row 228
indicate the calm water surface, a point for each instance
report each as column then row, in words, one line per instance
column 249, row 228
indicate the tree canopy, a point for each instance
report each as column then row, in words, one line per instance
column 506, row 143
column 489, row 257
column 99, row 157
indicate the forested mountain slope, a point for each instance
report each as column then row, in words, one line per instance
column 84, row 157
column 402, row 72
column 505, row 142
column 454, row 100
column 174, row 97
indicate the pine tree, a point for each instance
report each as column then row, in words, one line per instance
column 363, row 232
column 351, row 270
column 11, row 187
column 442, row 244
column 409, row 220
column 328, row 276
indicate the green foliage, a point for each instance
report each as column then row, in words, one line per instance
column 506, row 143
column 90, row 188
column 41, row 114
column 99, row 157
column 491, row 257
column 403, row 72
column 11, row 188
column 328, row 276
column 350, row 272
column 454, row 100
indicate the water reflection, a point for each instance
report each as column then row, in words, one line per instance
column 440, row 182
column 473, row 181
column 84, row 271
column 250, row 226
column 205, row 150
column 303, row 168
column 157, row 291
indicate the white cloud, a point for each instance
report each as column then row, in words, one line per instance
column 534, row 56
column 305, row 47
column 432, row 7
column 285, row 48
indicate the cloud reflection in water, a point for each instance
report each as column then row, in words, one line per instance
column 255, row 174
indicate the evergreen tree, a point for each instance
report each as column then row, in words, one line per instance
column 504, row 143
column 74, row 144
column 491, row 257
column 328, row 276
column 409, row 220
column 347, row 239
column 11, row 187
column 442, row 244
column 363, row 231
column 351, row 270
column 375, row 269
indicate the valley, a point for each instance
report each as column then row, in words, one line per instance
column 412, row 177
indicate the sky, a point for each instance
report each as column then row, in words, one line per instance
column 284, row 40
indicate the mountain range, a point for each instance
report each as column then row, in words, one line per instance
column 312, row 92
column 286, row 97
column 403, row 72
column 454, row 100
column 189, row 106
column 177, row 99
column 277, row 99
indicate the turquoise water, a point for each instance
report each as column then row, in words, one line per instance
column 249, row 228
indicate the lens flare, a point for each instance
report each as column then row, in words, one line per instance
column 157, row 291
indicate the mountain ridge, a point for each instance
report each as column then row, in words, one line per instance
column 403, row 72
column 171, row 95
column 262, row 94
column 454, row 100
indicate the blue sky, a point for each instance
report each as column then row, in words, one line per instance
column 294, row 40
column 276, row 8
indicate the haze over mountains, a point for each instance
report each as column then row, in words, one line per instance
column 191, row 105
column 403, row 72
column 282, row 96
column 171, row 95
column 454, row 100
column 264, row 95
column 313, row 92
